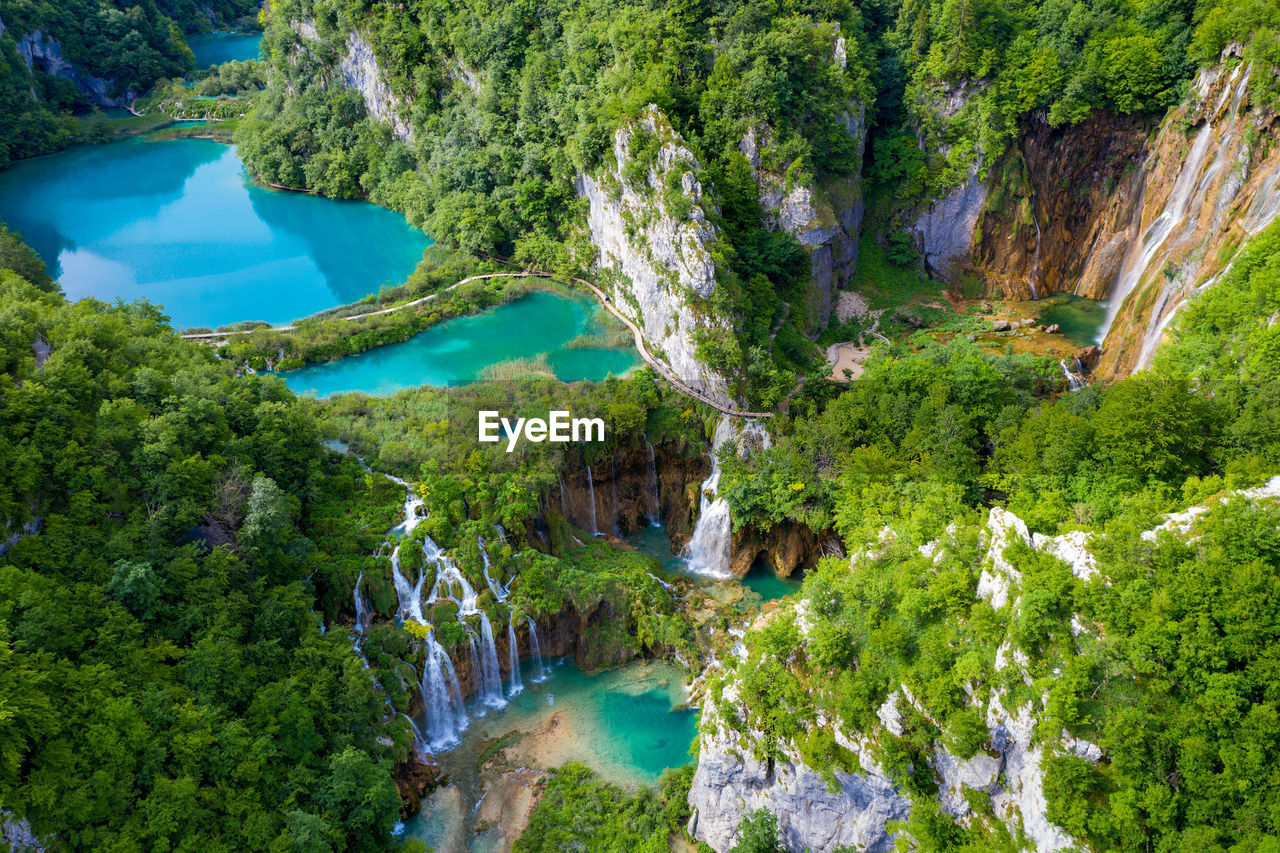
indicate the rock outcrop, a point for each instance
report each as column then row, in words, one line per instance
column 1107, row 210
column 1059, row 204
column 43, row 53
column 650, row 228
column 854, row 809
column 361, row 72
column 825, row 218
column 730, row 783
column 1210, row 181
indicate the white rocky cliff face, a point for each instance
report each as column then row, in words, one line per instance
column 944, row 231
column 360, row 70
column 662, row 254
column 1008, row 771
column 824, row 219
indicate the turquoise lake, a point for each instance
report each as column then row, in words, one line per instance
column 217, row 48
column 457, row 351
column 180, row 223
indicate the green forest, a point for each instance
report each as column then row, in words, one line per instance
column 206, row 641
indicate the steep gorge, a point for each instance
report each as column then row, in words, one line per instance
column 1115, row 209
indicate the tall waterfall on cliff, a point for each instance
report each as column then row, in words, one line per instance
column 591, row 487
column 539, row 671
column 654, row 500
column 513, row 657
column 499, row 591
column 362, row 609
column 1142, row 253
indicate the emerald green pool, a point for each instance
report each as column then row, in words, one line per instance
column 765, row 583
column 217, row 48
column 1081, row 319
column 626, row 724
column 458, row 351
column 178, row 222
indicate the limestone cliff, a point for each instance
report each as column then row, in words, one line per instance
column 850, row 800
column 1211, row 179
column 647, row 221
column 824, row 216
column 1110, row 210
column 359, row 70
column 42, row 52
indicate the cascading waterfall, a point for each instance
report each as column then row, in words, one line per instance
column 591, row 487
column 563, row 509
column 708, row 548
column 1035, row 259
column 1143, row 252
column 499, row 591
column 654, row 508
column 513, row 654
column 491, row 692
column 362, row 610
column 442, row 697
column 1074, row 380
column 539, row 671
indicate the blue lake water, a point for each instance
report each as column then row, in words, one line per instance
column 217, row 48
column 458, row 351
column 179, row 223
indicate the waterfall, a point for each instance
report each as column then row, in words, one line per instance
column 1035, row 260
column 441, row 697
column 654, row 506
column 419, row 742
column 1074, row 380
column 563, row 509
column 491, row 691
column 708, row 548
column 513, row 654
column 362, row 610
column 591, row 486
column 1143, row 252
column 539, row 672
column 499, row 591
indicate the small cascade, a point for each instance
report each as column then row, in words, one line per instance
column 1035, row 259
column 654, row 502
column 513, row 654
column 491, row 676
column 502, row 533
column 499, row 591
column 563, row 509
column 1075, row 381
column 420, row 743
column 591, row 486
column 539, row 671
